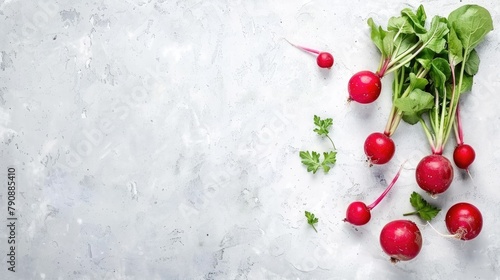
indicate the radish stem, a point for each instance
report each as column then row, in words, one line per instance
column 377, row 201
column 304, row 48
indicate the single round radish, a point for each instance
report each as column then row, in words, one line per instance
column 464, row 220
column 379, row 148
column 364, row 87
column 401, row 240
column 434, row 174
column 463, row 156
column 325, row 60
column 358, row 214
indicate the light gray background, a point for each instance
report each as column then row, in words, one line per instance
column 159, row 140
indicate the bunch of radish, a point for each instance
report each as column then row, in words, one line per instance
column 432, row 66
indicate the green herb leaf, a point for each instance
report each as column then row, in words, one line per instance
column 330, row 158
column 311, row 160
column 311, row 219
column 322, row 125
column 422, row 208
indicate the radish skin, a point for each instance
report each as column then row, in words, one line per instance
column 401, row 240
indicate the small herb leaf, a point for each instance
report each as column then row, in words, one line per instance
column 311, row 160
column 423, row 209
column 329, row 159
column 311, row 219
column 322, row 125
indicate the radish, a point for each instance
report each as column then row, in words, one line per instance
column 464, row 221
column 434, row 174
column 364, row 87
column 358, row 213
column 323, row 59
column 464, row 154
column 379, row 148
column 450, row 78
column 401, row 240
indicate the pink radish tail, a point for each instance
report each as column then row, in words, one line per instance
column 304, row 48
column 376, row 202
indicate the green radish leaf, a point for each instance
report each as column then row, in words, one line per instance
column 377, row 35
column 420, row 15
column 425, row 58
column 471, row 24
column 455, row 49
column 413, row 105
column 404, row 42
column 472, row 63
column 400, row 25
column 439, row 73
column 467, row 82
column 416, row 20
column 417, row 83
column 388, row 42
column 434, row 38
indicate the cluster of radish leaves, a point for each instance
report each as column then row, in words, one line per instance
column 426, row 81
column 432, row 68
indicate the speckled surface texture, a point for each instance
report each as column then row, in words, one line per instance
column 159, row 139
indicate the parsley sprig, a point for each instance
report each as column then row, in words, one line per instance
column 423, row 209
column 311, row 219
column 312, row 159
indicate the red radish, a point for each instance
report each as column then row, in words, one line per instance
column 364, row 87
column 434, row 174
column 463, row 156
column 464, row 220
column 379, row 148
column 324, row 59
column 359, row 214
column 401, row 240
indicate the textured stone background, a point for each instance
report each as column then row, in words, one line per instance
column 159, row 140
